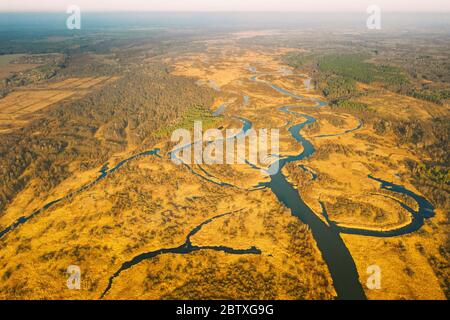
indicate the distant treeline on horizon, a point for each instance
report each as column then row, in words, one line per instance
column 220, row 20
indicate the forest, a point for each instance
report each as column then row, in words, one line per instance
column 131, row 110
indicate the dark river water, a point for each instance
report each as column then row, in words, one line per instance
column 341, row 265
column 334, row 252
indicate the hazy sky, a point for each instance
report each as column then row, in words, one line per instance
column 225, row 5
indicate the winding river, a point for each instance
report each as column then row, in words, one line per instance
column 340, row 263
column 326, row 233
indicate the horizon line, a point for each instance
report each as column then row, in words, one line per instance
column 219, row 11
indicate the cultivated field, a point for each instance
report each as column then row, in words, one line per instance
column 17, row 108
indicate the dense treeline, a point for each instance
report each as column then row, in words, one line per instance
column 89, row 130
column 86, row 65
column 353, row 66
column 435, row 96
column 335, row 87
column 298, row 60
column 336, row 76
column 35, row 41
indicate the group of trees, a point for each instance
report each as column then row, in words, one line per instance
column 432, row 176
column 429, row 139
column 298, row 60
column 358, row 212
column 50, row 65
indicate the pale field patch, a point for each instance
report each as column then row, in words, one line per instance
column 18, row 107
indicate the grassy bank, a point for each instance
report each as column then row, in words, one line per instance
column 187, row 120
